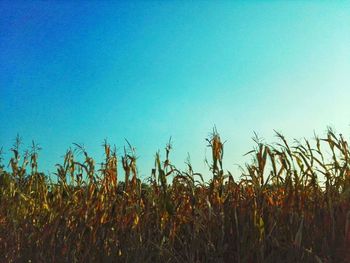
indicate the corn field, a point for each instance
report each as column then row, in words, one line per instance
column 290, row 204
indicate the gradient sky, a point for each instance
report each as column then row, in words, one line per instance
column 145, row 71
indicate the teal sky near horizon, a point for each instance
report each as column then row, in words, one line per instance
column 85, row 71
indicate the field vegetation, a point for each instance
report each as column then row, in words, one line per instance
column 290, row 204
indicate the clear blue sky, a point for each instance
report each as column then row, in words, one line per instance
column 145, row 71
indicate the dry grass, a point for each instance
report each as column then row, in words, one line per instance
column 277, row 212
